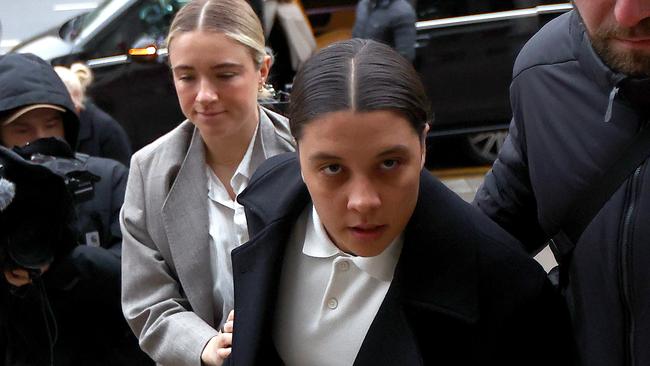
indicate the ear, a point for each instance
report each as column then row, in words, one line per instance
column 423, row 144
column 265, row 68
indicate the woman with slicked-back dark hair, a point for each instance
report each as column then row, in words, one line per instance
column 360, row 75
column 358, row 256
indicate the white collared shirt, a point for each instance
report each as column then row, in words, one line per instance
column 327, row 298
column 227, row 224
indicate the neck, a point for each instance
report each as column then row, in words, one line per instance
column 223, row 154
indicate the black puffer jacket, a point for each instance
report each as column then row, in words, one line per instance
column 572, row 117
column 83, row 286
column 101, row 135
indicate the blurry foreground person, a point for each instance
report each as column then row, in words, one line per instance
column 99, row 134
column 76, row 318
column 358, row 256
column 580, row 99
column 180, row 218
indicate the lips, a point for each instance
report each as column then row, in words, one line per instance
column 367, row 232
column 209, row 113
column 635, row 42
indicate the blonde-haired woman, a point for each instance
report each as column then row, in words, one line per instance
column 180, row 219
column 99, row 134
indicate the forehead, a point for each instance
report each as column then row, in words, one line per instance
column 201, row 48
column 36, row 116
column 359, row 132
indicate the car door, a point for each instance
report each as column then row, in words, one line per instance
column 465, row 53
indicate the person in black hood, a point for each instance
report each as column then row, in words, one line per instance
column 580, row 95
column 76, row 319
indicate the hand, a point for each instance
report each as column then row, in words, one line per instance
column 219, row 346
column 20, row 277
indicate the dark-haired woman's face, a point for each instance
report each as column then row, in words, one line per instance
column 363, row 173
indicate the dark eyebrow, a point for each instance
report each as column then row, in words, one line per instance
column 397, row 149
column 323, row 156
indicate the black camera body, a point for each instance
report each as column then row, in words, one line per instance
column 37, row 224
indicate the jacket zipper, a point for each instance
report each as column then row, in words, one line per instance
column 625, row 265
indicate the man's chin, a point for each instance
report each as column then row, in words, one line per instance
column 632, row 62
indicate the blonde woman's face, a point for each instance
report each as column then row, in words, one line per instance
column 217, row 82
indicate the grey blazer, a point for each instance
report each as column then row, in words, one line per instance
column 166, row 280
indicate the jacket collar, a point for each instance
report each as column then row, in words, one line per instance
column 588, row 58
column 635, row 90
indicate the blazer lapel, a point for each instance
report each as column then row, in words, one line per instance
column 256, row 270
column 437, row 272
column 389, row 340
column 185, row 216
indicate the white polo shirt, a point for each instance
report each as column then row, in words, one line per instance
column 327, row 298
column 227, row 224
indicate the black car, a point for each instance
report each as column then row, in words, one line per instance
column 465, row 52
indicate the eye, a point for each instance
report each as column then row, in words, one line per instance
column 389, row 164
column 331, row 169
column 185, row 78
column 226, row 75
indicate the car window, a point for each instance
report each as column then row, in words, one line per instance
column 437, row 9
column 148, row 19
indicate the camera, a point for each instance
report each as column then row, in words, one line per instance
column 36, row 214
column 56, row 155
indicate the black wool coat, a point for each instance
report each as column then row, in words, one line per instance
column 463, row 292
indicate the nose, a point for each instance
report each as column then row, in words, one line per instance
column 629, row 13
column 40, row 133
column 363, row 196
column 207, row 92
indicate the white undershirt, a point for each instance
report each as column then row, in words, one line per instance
column 327, row 298
column 227, row 225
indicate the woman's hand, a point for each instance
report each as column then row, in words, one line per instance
column 219, row 346
column 20, row 277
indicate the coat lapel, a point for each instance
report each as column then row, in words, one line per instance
column 185, row 216
column 436, row 272
column 258, row 265
column 389, row 340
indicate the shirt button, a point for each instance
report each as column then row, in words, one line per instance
column 343, row 266
column 332, row 303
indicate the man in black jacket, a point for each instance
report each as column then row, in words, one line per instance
column 82, row 285
column 580, row 93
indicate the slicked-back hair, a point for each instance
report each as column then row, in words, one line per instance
column 360, row 76
column 234, row 18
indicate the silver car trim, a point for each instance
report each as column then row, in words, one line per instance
column 117, row 60
column 107, row 61
column 493, row 17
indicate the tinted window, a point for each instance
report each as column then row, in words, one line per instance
column 436, row 9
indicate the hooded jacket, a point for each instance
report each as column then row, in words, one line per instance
column 83, row 286
column 27, row 79
column 572, row 118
